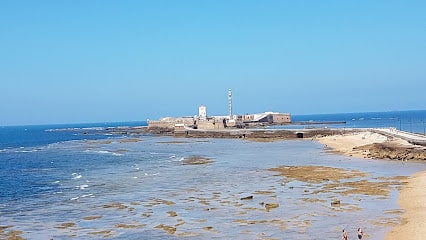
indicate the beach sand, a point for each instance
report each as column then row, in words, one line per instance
column 350, row 144
column 412, row 199
column 412, row 196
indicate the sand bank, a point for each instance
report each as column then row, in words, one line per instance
column 368, row 144
column 412, row 199
column 346, row 144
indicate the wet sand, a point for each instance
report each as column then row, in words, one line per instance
column 412, row 197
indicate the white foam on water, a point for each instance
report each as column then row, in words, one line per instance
column 26, row 151
column 83, row 186
column 104, row 152
column 76, row 176
column 87, row 195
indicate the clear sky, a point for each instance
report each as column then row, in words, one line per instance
column 106, row 61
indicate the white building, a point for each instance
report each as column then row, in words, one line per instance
column 202, row 112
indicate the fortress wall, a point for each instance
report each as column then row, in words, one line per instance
column 281, row 118
column 210, row 124
column 169, row 123
column 160, row 125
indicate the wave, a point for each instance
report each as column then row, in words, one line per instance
column 135, row 167
column 76, row 176
column 151, row 174
column 87, row 195
column 82, row 196
column 178, row 159
column 22, row 149
column 26, row 151
column 74, row 129
column 104, row 152
column 82, row 187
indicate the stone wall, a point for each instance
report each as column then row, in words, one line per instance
column 210, row 124
column 169, row 123
column 281, row 118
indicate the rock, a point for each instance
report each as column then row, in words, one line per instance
column 196, row 160
column 168, row 229
column 247, row 198
column 335, row 203
column 172, row 213
column 269, row 206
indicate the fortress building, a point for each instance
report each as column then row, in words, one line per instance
column 205, row 122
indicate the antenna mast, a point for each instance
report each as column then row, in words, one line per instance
column 230, row 103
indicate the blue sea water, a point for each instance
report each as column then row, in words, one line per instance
column 409, row 121
column 82, row 184
column 40, row 135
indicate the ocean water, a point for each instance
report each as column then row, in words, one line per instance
column 83, row 184
column 409, row 121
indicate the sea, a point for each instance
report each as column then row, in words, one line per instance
column 77, row 181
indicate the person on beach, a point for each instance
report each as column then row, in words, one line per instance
column 360, row 233
column 344, row 235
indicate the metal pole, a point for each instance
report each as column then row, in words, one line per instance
column 230, row 103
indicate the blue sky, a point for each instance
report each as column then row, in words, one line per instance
column 106, row 61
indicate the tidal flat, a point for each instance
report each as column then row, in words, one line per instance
column 216, row 188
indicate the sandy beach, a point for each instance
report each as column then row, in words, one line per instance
column 412, row 197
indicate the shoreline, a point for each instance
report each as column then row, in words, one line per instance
column 260, row 201
column 412, row 197
column 384, row 144
column 358, row 143
column 372, row 144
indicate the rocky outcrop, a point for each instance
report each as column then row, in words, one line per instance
column 394, row 151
